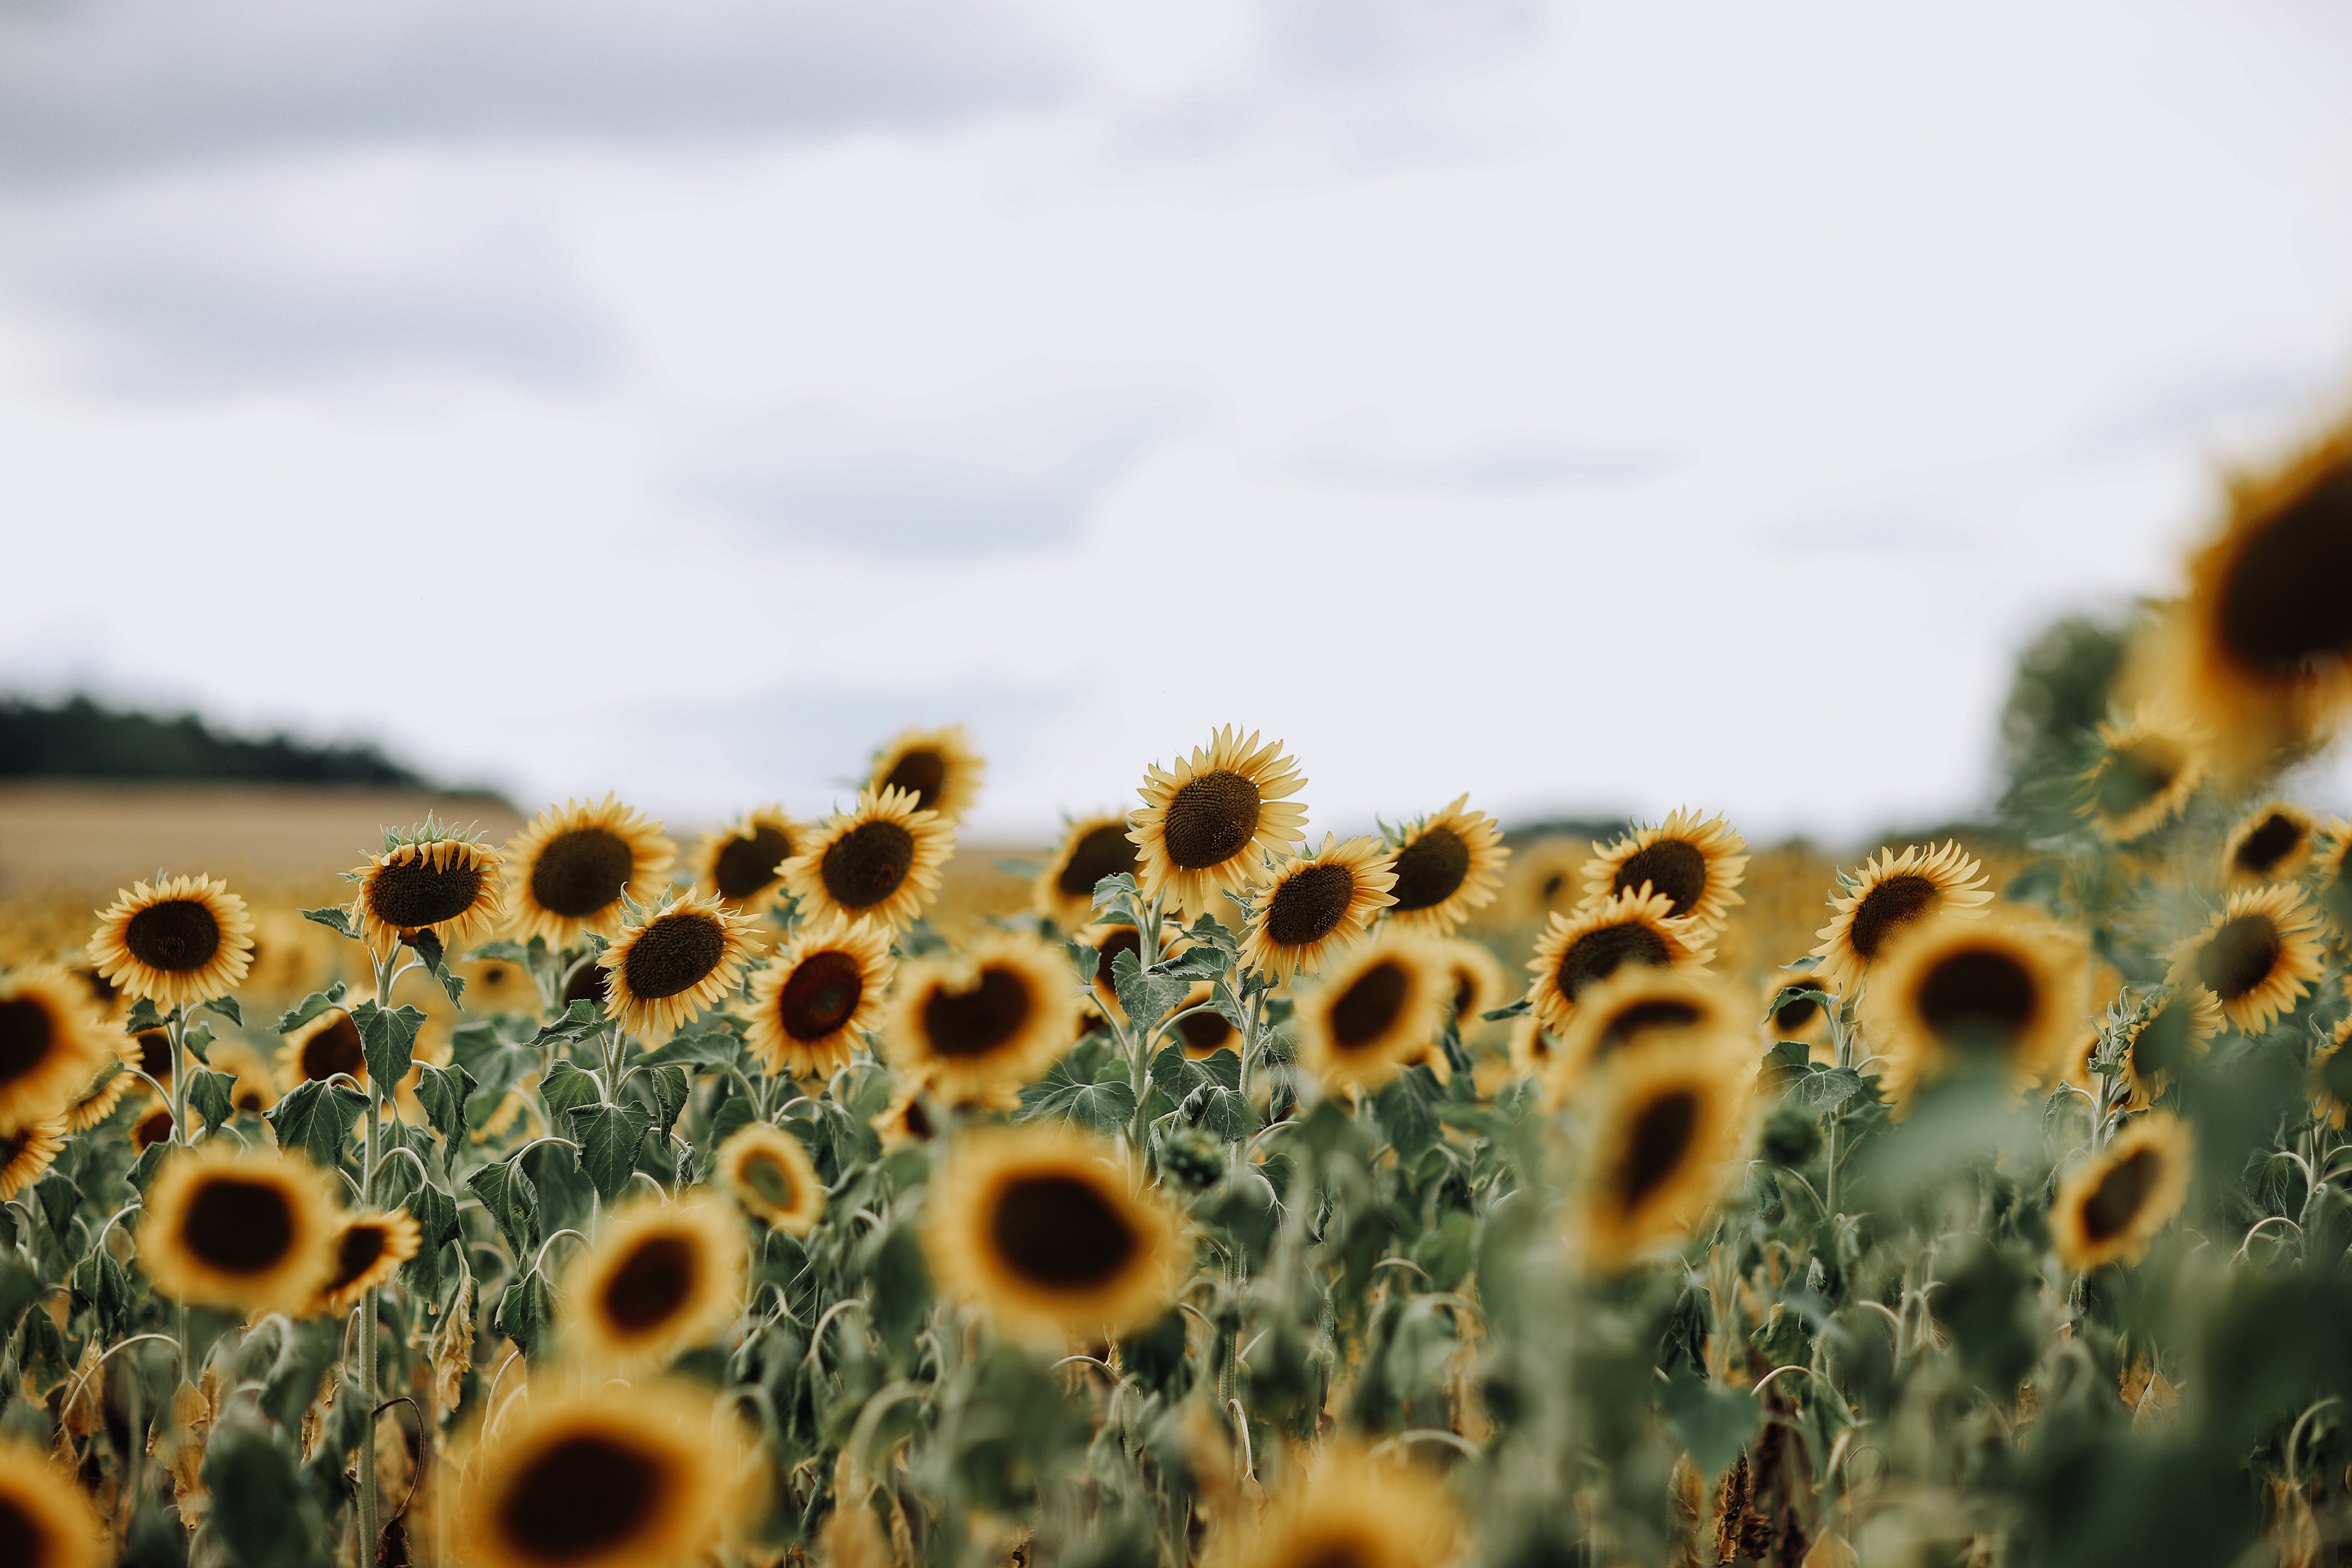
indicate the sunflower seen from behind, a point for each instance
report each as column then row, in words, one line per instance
column 812, row 1007
column 45, row 1518
column 1309, row 907
column 2270, row 843
column 50, row 1045
column 663, row 1276
column 569, row 871
column 740, row 864
column 2006, row 994
column 27, row 1154
column 2145, row 772
column 877, row 863
column 2259, row 955
column 433, row 881
column 1697, row 863
column 768, row 1173
column 369, row 1250
column 1375, row 1013
column 1208, row 823
column 185, row 941
column 1664, row 1133
column 1093, row 848
column 938, row 767
column 1583, row 949
column 1448, row 866
column 671, row 962
column 986, row 1022
column 227, row 1229
column 2111, row 1206
column 1888, row 896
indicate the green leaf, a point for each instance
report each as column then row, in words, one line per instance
column 1518, row 1009
column 228, row 1008
column 99, row 1282
column 335, row 918
column 1218, row 1109
column 1105, row 1107
column 198, row 1041
column 441, row 1091
column 608, row 1136
column 261, row 1516
column 669, row 1086
column 209, row 1094
column 142, row 1018
column 579, row 1021
column 526, row 1314
column 312, row 1006
column 1714, row 1422
column 42, row 1353
column 317, row 1117
column 566, row 1088
column 1194, row 964
column 1174, row 1074
column 427, row 947
column 1406, row 1111
column 706, row 1047
column 1825, row 1088
column 512, row 1201
column 1223, row 1068
column 1086, row 959
column 58, row 1198
column 389, row 1037
column 1146, row 997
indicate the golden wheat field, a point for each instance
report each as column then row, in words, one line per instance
column 1186, row 1191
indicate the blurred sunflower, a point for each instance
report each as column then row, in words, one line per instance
column 1533, row 1050
column 1448, row 866
column 1697, row 863
column 1479, row 983
column 1199, row 1029
column 495, row 987
column 1891, row 893
column 878, row 861
column 569, row 870
column 1047, row 1229
column 286, row 960
column 814, row 1004
column 1545, row 877
column 1592, row 944
column 2006, row 991
column 1375, row 1013
column 2259, row 954
column 151, row 1128
column 226, row 1228
column 27, row 1154
column 991, row 1020
column 369, row 1248
column 671, row 962
column 1792, row 1014
column 45, row 1518
column 938, row 767
column 1348, row 1511
column 662, row 1274
column 2331, row 1078
column 768, row 1173
column 181, row 942
column 432, row 881
column 740, row 863
column 95, row 1100
column 50, row 1046
column 107, row 1003
column 2270, row 844
column 2163, row 1044
column 1310, row 908
column 2109, row 1206
column 327, row 1045
column 1209, row 824
column 1640, row 1008
column 1093, row 848
column 907, row 1119
column 150, row 1050
column 1665, row 1132
column 2145, row 772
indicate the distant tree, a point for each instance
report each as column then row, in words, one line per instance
column 78, row 739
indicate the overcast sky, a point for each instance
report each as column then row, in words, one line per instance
column 1563, row 403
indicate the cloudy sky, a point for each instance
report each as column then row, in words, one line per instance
column 1564, row 403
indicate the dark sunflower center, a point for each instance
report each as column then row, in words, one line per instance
column 1099, row 852
column 248, row 1099
column 1212, row 818
column 155, row 1054
column 1630, row 1023
column 821, row 994
column 1370, row 1008
column 920, row 773
column 1466, row 992
column 1661, row 1138
column 23, row 1538
column 746, row 865
column 2135, row 775
column 2161, row 1048
column 27, row 1035
column 1345, row 1552
column 356, row 1252
column 918, row 1121
column 1122, row 939
column 1062, row 1232
column 1886, row 909
column 1308, row 905
column 2287, row 601
column 674, row 953
column 1979, row 1001
column 1206, row 1032
column 582, row 872
column 1553, row 885
column 2240, row 955
column 414, row 893
column 587, row 984
column 102, row 991
column 336, row 1048
column 1431, row 869
column 580, row 1499
column 1796, row 1014
column 152, row 1128
column 767, row 1176
column 2116, row 1201
column 1670, row 866
column 973, row 1023
column 238, row 1227
column 865, row 865
column 2272, row 841
column 174, row 936
column 1597, row 954
column 652, row 1283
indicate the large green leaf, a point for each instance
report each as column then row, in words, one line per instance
column 389, row 1037
column 317, row 1117
column 608, row 1136
column 443, row 1091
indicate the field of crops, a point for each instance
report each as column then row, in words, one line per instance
column 1204, row 1192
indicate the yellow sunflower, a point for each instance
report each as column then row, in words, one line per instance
column 908, row 1118
column 673, row 962
column 1448, row 866
column 45, row 1518
column 1697, row 863
column 1545, row 877
column 938, row 767
column 1348, row 1511
column 107, row 1003
column 811, row 1007
column 1479, row 983
column 768, row 1173
column 1533, row 1050
column 2163, row 1044
column 2270, row 844
column 878, row 861
column 2147, row 769
column 663, row 1276
column 185, row 941
column 1642, row 1008
column 570, row 869
column 2110, row 1206
column 1891, row 893
column 226, row 1228
column 451, row 886
column 1093, row 848
column 1310, row 908
column 993, row 1019
column 1210, row 823
column 2004, row 990
column 327, row 1045
column 739, row 862
column 97, row 1098
column 27, row 1154
column 50, row 1046
column 2331, row 1079
column 369, row 1250
column 1048, row 1229
column 2259, row 955
column 1375, row 1013
column 1667, row 1129
column 289, row 956
column 1593, row 943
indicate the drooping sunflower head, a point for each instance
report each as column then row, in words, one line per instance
column 938, row 767
column 227, row 1229
column 673, row 962
column 877, row 862
column 50, row 1045
column 95, row 1100
column 1093, row 848
column 2331, row 1078
column 1448, row 866
column 1348, row 1511
column 768, row 1173
column 327, row 1045
column 662, row 1276
column 1697, row 863
column 26, row 1154
column 431, row 879
column 741, row 862
column 1665, row 1130
column 1376, row 1011
column 2258, row 955
column 2004, row 993
column 991, row 1020
column 45, row 1518
column 617, row 1476
column 369, row 1250
column 1583, row 949
column 570, row 870
column 185, row 941
column 2147, row 769
column 2110, row 1206
column 1047, row 1229
column 2176, row 1032
column 1211, row 822
column 1793, row 1011
column 1310, row 908
column 815, row 1004
column 1642, row 1008
column 1888, row 896
column 2270, row 843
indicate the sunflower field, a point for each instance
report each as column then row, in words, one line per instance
column 1218, row 1196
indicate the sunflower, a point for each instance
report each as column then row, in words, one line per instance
column 1376, row 1012
column 369, row 1248
column 451, row 886
column 738, row 862
column 613, row 1476
column 1047, row 1228
column 1478, row 983
column 2108, row 1208
column 27, row 1154
column 1890, row 893
column 1533, row 1050
column 226, row 1228
column 938, row 767
column 2161, row 1046
column 185, row 941
column 1200, row 1031
column 664, row 1276
column 672, row 962
column 2146, row 771
column 907, row 1119
column 96, row 1100
column 107, row 1002
column 1697, row 863
column 992, row 1019
column 1310, row 908
column 2006, row 990
column 768, row 1173
column 1793, row 1016
column 1208, row 825
column 1348, row 1511
column 878, row 861
column 585, row 980
column 2259, row 955
column 500, row 985
column 1667, row 1128
column 254, row 1089
column 327, row 1045
column 811, row 1007
column 287, row 955
column 1593, row 943
column 49, row 1045
column 1642, row 1008
column 150, row 1050
column 1543, row 880
column 151, row 1128
column 2331, row 1078
column 570, row 869
column 1093, row 848
column 44, row 1517
column 1448, row 866
column 2272, row 844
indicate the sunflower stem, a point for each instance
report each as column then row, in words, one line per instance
column 368, row 1301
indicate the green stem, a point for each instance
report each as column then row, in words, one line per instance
column 369, row 1159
